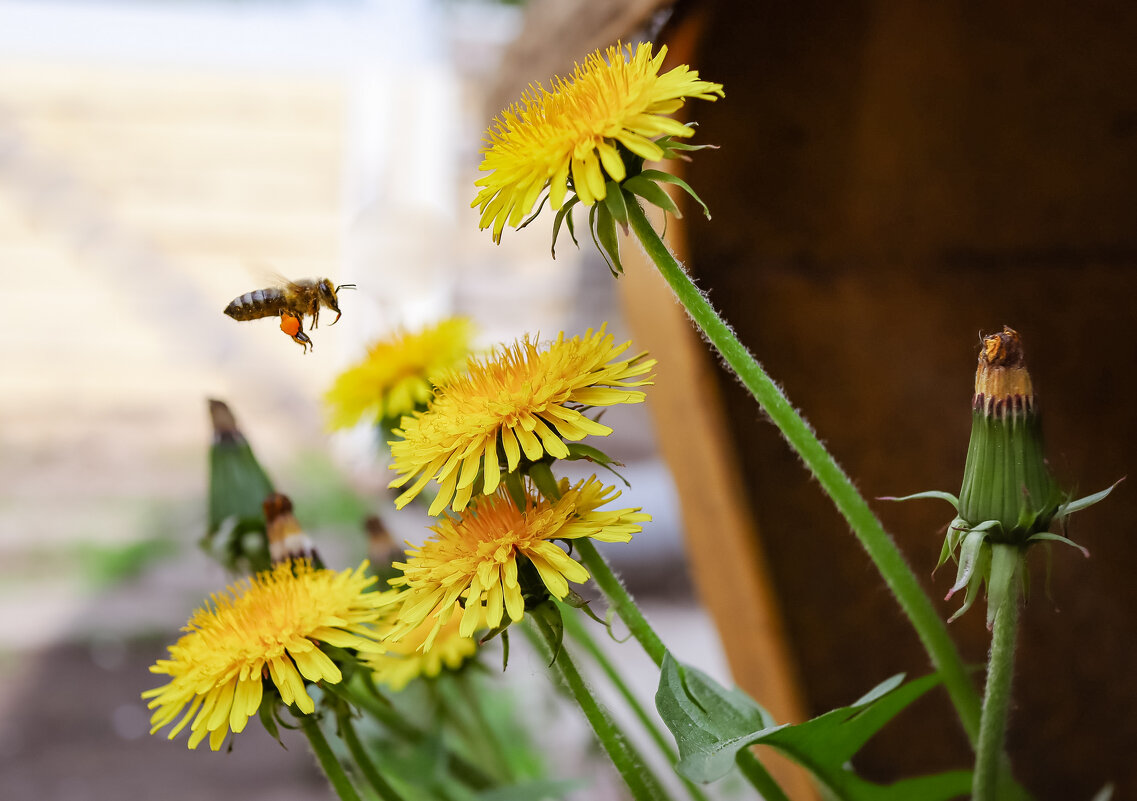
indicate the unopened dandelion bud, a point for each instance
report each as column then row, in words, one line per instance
column 237, row 482
column 1006, row 478
column 1009, row 499
column 286, row 540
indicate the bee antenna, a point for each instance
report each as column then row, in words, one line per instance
column 345, row 286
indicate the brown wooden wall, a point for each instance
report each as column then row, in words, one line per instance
column 895, row 179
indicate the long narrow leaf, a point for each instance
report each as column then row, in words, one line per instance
column 1089, row 500
column 943, row 496
column 666, row 177
column 604, row 234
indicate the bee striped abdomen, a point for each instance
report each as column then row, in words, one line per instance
column 256, row 304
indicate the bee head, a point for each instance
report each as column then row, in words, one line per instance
column 328, row 296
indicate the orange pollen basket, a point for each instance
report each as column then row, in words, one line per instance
column 290, row 324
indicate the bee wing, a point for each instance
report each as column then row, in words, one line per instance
column 264, row 275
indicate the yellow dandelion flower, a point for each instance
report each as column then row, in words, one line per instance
column 402, row 661
column 481, row 558
column 271, row 627
column 399, row 374
column 568, row 137
column 521, row 399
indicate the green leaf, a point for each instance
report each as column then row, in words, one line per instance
column 969, row 553
column 577, row 601
column 711, row 724
column 578, row 450
column 564, row 216
column 943, row 496
column 543, row 479
column 603, row 227
column 267, row 713
column 652, row 193
column 516, row 489
column 614, row 200
column 670, row 144
column 1104, row 794
column 1048, row 536
column 1086, row 502
column 666, row 177
column 550, row 613
column 535, row 214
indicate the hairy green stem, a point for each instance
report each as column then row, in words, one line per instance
column 877, row 543
column 996, row 700
column 621, row 600
column 641, row 782
column 580, row 633
column 363, row 760
column 332, row 767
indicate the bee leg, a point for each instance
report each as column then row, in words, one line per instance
column 304, row 341
column 290, row 324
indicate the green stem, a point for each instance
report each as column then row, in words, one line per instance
column 621, row 600
column 581, row 634
column 877, row 543
column 500, row 750
column 464, row 711
column 366, row 699
column 362, row 759
column 759, row 778
column 609, row 583
column 996, row 700
column 642, row 783
column 332, row 767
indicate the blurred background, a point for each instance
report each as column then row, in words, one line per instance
column 891, row 183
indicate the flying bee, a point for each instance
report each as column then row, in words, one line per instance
column 291, row 300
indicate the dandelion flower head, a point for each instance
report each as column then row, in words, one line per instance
column 523, row 399
column 402, row 661
column 398, row 374
column 569, row 136
column 270, row 626
column 478, row 557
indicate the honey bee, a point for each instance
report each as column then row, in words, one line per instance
column 291, row 300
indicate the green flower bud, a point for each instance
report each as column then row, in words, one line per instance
column 1009, row 499
column 1006, row 478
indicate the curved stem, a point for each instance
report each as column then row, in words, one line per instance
column 332, row 767
column 384, row 790
column 580, row 633
column 873, row 538
column 644, row 786
column 996, row 700
column 621, row 600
